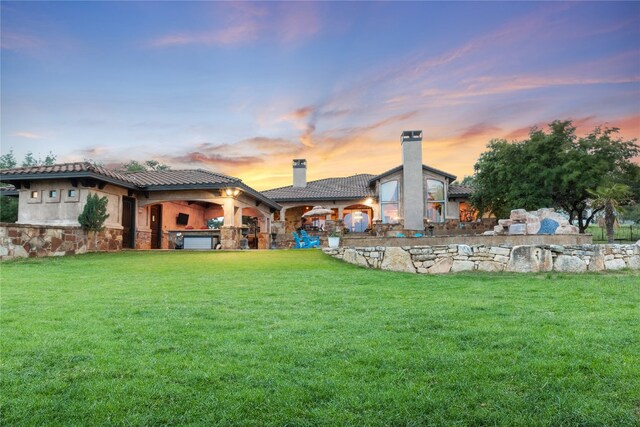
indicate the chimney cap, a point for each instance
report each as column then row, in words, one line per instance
column 300, row 163
column 412, row 135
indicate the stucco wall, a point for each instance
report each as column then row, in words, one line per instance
column 64, row 210
column 440, row 259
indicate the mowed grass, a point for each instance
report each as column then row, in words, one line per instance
column 296, row 338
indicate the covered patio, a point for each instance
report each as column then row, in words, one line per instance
column 202, row 219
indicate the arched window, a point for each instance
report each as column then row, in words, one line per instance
column 435, row 201
column 389, row 202
column 357, row 221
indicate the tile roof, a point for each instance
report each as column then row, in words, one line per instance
column 351, row 187
column 145, row 181
column 65, row 169
column 180, row 177
column 460, row 190
column 8, row 190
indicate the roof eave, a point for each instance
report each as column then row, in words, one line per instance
column 66, row 175
column 302, row 199
column 424, row 167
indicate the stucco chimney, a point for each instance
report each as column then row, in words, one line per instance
column 412, row 192
column 299, row 172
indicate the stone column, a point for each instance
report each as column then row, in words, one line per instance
column 238, row 217
column 230, row 237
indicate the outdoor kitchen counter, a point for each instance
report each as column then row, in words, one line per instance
column 195, row 239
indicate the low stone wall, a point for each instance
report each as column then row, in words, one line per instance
column 474, row 239
column 454, row 258
column 23, row 241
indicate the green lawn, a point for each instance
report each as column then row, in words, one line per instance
column 297, row 338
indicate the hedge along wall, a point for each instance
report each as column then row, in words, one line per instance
column 526, row 258
column 23, row 241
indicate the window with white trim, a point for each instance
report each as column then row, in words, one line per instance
column 435, row 201
column 389, row 206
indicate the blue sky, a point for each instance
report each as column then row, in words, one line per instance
column 242, row 88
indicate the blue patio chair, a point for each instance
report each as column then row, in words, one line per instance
column 400, row 235
column 299, row 244
column 417, row 235
column 310, row 242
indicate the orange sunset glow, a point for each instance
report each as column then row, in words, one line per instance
column 243, row 88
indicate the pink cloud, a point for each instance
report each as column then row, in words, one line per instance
column 242, row 33
column 17, row 41
column 26, row 134
column 287, row 23
column 298, row 21
column 485, row 86
column 479, row 130
column 299, row 114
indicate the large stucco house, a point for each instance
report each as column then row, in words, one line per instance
column 411, row 197
column 146, row 209
column 203, row 209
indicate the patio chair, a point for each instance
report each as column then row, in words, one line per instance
column 310, row 242
column 299, row 244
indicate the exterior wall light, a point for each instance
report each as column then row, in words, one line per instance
column 369, row 201
column 232, row 192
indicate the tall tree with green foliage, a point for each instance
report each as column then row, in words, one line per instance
column 8, row 160
column 94, row 215
column 30, row 160
column 610, row 197
column 552, row 168
column 8, row 209
column 148, row 165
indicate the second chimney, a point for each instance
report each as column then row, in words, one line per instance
column 299, row 172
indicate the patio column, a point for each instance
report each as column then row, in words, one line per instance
column 283, row 212
column 376, row 212
column 238, row 217
column 228, row 208
column 340, row 215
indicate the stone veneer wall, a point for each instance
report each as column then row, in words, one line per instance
column 525, row 258
column 23, row 241
column 143, row 239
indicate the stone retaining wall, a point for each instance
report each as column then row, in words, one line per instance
column 480, row 240
column 524, row 259
column 23, row 241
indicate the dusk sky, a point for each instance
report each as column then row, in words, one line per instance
column 243, row 88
